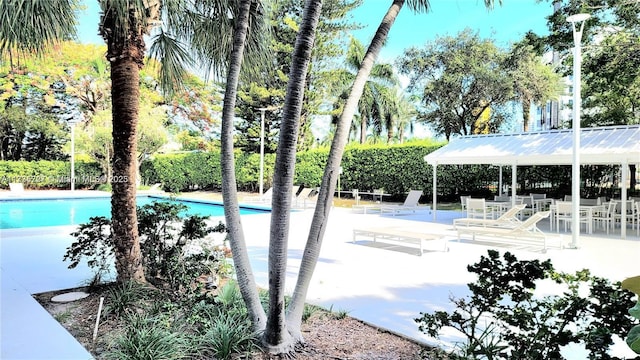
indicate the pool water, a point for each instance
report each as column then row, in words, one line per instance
column 57, row 212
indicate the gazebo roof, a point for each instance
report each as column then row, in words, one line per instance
column 601, row 145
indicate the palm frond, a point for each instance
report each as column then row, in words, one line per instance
column 33, row 26
column 173, row 59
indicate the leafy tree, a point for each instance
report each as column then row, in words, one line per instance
column 13, row 127
column 322, row 78
column 533, row 81
column 458, row 79
column 610, row 75
column 44, row 139
column 505, row 319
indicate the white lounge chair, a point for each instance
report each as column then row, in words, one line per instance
column 410, row 204
column 305, row 198
column 506, row 220
column 16, row 187
column 265, row 197
column 525, row 232
column 398, row 234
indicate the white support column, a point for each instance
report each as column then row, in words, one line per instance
column 435, row 192
column 514, row 182
column 623, row 196
column 500, row 181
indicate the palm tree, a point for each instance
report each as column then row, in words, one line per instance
column 123, row 25
column 246, row 280
column 377, row 97
column 329, row 179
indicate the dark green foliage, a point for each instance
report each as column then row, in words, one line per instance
column 151, row 338
column 173, row 256
column 165, row 256
column 46, row 174
column 503, row 319
column 93, row 242
column 396, row 169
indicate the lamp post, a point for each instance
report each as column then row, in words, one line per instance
column 578, row 19
column 73, row 123
column 262, row 110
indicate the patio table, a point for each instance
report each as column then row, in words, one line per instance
column 588, row 210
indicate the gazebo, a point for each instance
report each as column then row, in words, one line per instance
column 613, row 145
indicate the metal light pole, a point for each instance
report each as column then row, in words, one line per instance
column 73, row 123
column 578, row 19
column 73, row 151
column 262, row 110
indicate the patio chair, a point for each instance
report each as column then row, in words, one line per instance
column 564, row 213
column 506, row 220
column 617, row 214
column 463, row 202
column 410, row 204
column 528, row 209
column 604, row 216
column 524, row 232
column 476, row 209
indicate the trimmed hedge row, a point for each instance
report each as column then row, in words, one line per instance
column 45, row 174
column 396, row 169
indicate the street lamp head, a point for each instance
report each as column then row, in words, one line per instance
column 578, row 18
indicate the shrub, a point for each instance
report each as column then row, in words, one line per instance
column 173, row 253
column 503, row 319
column 46, row 174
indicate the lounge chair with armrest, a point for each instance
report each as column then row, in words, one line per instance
column 525, row 232
column 506, row 220
column 410, row 204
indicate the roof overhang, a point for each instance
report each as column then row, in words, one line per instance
column 603, row 145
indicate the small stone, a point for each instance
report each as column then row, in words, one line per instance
column 68, row 297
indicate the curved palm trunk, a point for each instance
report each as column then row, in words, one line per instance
column 125, row 92
column 276, row 337
column 526, row 106
column 244, row 274
column 330, row 177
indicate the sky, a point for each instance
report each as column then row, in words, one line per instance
column 505, row 24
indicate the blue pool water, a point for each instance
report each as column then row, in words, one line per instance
column 57, row 212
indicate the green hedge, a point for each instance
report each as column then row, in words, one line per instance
column 396, row 169
column 50, row 174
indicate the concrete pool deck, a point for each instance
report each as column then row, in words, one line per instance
column 385, row 284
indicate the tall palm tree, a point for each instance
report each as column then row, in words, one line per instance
column 376, row 98
column 246, row 280
column 123, row 25
column 329, row 179
column 177, row 24
column 277, row 336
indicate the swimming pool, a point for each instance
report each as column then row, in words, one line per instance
column 72, row 211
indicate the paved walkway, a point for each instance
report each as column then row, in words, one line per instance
column 382, row 283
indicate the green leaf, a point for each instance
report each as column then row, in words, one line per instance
column 635, row 311
column 632, row 284
column 633, row 339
